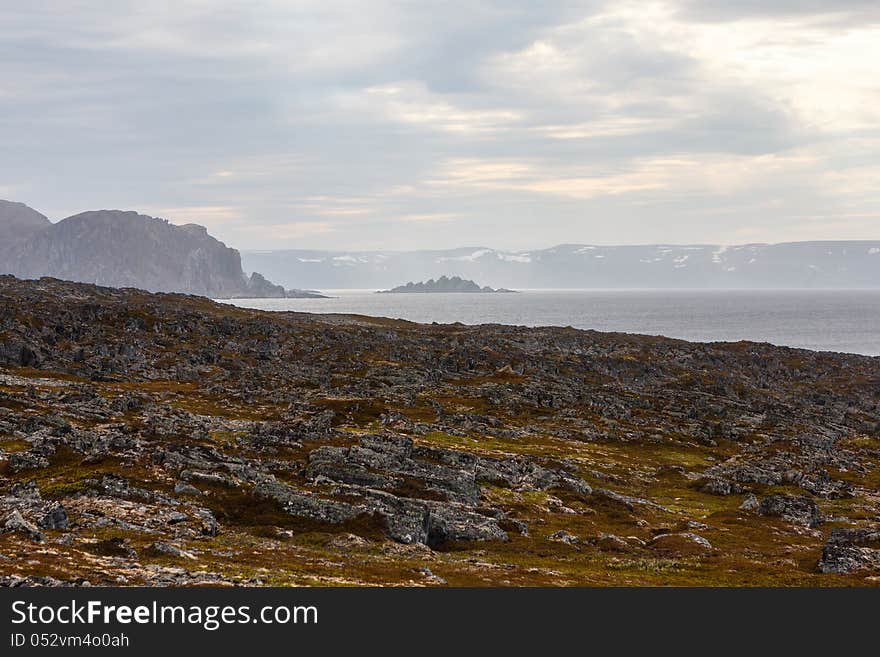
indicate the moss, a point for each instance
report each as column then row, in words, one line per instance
column 648, row 565
column 226, row 437
column 215, row 407
column 34, row 373
column 358, row 411
column 62, row 489
column 111, row 547
column 13, row 445
column 262, row 517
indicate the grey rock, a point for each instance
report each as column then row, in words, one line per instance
column 431, row 577
column 55, row 518
column 851, row 550
column 15, row 523
column 628, row 501
column 453, row 523
column 750, row 503
column 208, row 523
column 30, row 460
column 27, row 490
column 563, row 536
column 303, row 505
column 405, row 520
column 719, row 486
column 612, row 543
column 176, row 517
column 211, row 478
column 168, row 550
column 680, row 544
column 520, row 525
column 32, row 581
column 385, row 462
column 799, row 510
column 183, row 488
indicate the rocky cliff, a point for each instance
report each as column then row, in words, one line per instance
column 18, row 223
column 125, row 249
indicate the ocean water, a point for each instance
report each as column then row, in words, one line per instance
column 824, row 320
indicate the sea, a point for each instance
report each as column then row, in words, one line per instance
column 822, row 320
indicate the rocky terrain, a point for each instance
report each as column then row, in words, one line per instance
column 155, row 439
column 127, row 249
column 442, row 284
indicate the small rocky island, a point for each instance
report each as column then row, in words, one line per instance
column 443, row 284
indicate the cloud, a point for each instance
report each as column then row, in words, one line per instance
column 430, row 217
column 212, row 215
column 296, row 229
column 410, row 102
column 718, row 174
column 836, row 11
column 609, row 126
column 323, row 124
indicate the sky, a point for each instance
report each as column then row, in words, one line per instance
column 405, row 125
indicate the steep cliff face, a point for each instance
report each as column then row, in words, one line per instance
column 125, row 249
column 18, row 223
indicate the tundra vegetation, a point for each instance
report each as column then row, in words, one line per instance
column 159, row 439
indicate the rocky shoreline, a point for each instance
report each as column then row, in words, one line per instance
column 166, row 440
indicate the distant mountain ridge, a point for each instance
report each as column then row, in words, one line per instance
column 443, row 284
column 115, row 248
column 127, row 249
column 822, row 265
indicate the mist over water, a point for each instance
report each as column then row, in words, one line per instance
column 824, row 320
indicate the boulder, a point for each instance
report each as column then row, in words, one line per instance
column 800, row 510
column 160, row 548
column 851, row 550
column 682, row 544
column 15, row 523
column 563, row 536
column 612, row 543
column 719, row 486
column 750, row 503
column 55, row 518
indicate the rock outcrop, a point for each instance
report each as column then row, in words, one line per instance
column 851, row 551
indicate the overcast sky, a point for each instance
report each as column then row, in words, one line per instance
column 402, row 125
